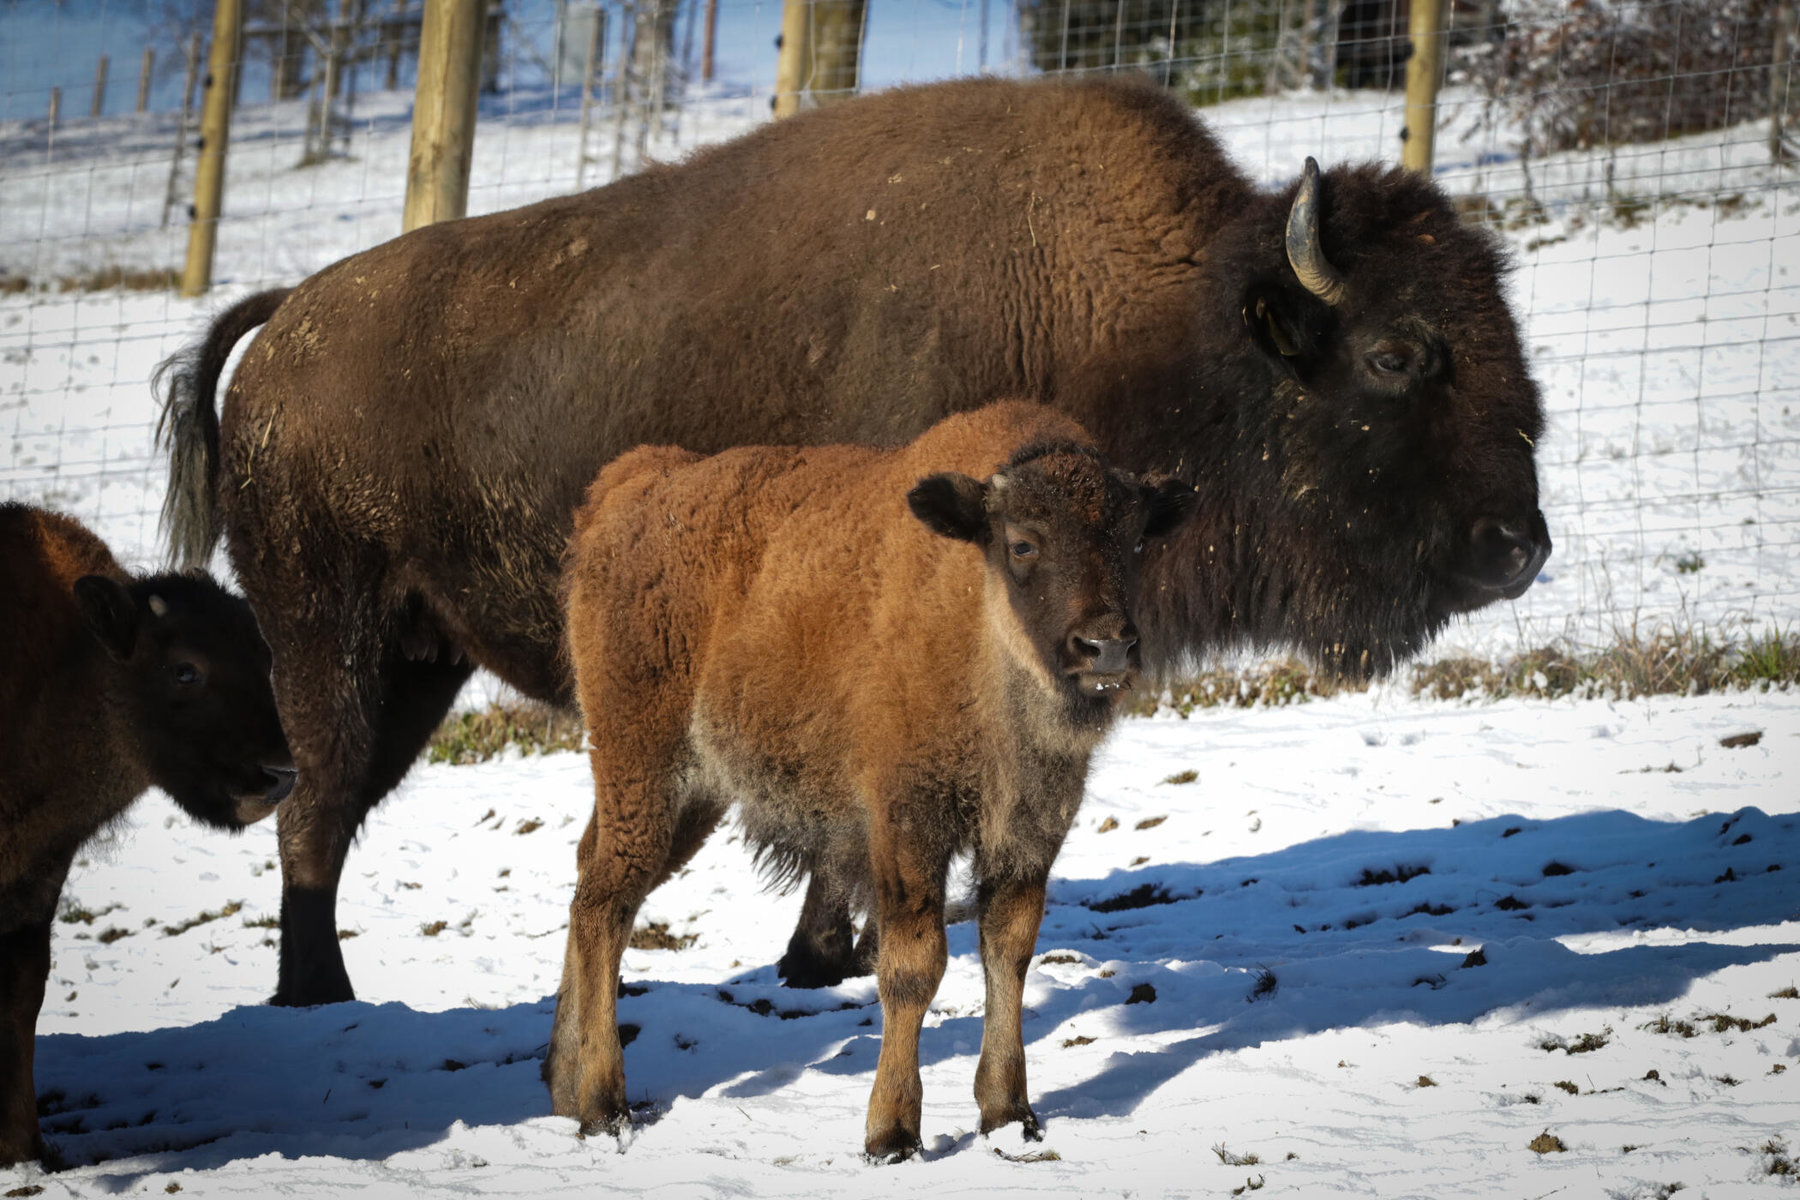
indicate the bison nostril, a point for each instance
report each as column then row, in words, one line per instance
column 1501, row 553
column 281, row 783
column 1084, row 648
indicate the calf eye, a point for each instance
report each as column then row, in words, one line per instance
column 1139, row 548
column 186, row 674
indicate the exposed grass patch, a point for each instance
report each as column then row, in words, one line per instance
column 1669, row 659
column 206, row 917
column 1078, row 1040
column 1790, row 992
column 1187, row 776
column 1776, row 1160
column 72, row 913
column 1229, row 1159
column 473, row 737
column 1546, row 1143
column 656, row 936
column 100, row 279
column 1574, row 1089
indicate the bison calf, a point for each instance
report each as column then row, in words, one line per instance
column 878, row 691
column 108, row 685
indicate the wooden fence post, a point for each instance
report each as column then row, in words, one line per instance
column 1424, row 72
column 149, row 67
column 215, row 134
column 100, row 85
column 55, row 114
column 443, row 131
column 790, row 65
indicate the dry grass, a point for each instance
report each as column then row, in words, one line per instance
column 472, row 737
column 100, row 279
column 1667, row 660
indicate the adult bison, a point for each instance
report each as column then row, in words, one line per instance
column 1332, row 365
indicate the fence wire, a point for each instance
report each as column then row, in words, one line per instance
column 1636, row 156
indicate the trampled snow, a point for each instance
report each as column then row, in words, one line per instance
column 1270, row 959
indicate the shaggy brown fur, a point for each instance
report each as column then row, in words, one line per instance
column 877, row 689
column 400, row 453
column 108, row 684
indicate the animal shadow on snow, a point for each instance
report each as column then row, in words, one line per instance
column 1352, row 929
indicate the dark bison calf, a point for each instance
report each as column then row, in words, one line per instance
column 108, row 685
column 771, row 627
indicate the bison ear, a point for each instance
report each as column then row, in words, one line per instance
column 1285, row 324
column 1170, row 502
column 951, row 504
column 110, row 613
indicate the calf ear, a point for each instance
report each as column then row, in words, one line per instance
column 1170, row 502
column 110, row 613
column 951, row 504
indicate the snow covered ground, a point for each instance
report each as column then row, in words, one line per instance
column 1303, row 912
column 1613, row 864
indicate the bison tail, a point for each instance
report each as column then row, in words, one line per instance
column 186, row 384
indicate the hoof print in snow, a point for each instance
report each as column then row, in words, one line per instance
column 1738, row 741
column 1546, row 1143
column 1475, row 958
column 1510, row 904
column 1142, row 993
column 1553, row 869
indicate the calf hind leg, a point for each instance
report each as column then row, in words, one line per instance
column 635, row 840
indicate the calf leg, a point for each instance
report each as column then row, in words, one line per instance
column 634, row 841
column 357, row 712
column 24, row 967
column 909, row 898
column 1011, row 908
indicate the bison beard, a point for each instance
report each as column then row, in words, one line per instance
column 399, row 456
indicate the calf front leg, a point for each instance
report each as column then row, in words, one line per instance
column 24, row 966
column 909, row 894
column 1011, row 909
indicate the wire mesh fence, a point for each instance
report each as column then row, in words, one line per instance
column 1635, row 155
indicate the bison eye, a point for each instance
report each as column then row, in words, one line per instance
column 1022, row 549
column 1390, row 362
column 186, row 674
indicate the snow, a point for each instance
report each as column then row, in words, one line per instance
column 1681, row 900
column 1319, row 887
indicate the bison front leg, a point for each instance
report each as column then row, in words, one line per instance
column 909, row 897
column 1011, row 909
column 24, row 966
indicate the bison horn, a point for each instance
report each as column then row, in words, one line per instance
column 1304, row 252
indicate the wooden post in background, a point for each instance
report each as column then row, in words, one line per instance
column 100, row 71
column 144, row 73
column 215, row 134
column 1424, row 72
column 706, row 44
column 55, row 114
column 592, row 65
column 791, row 64
column 443, row 131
